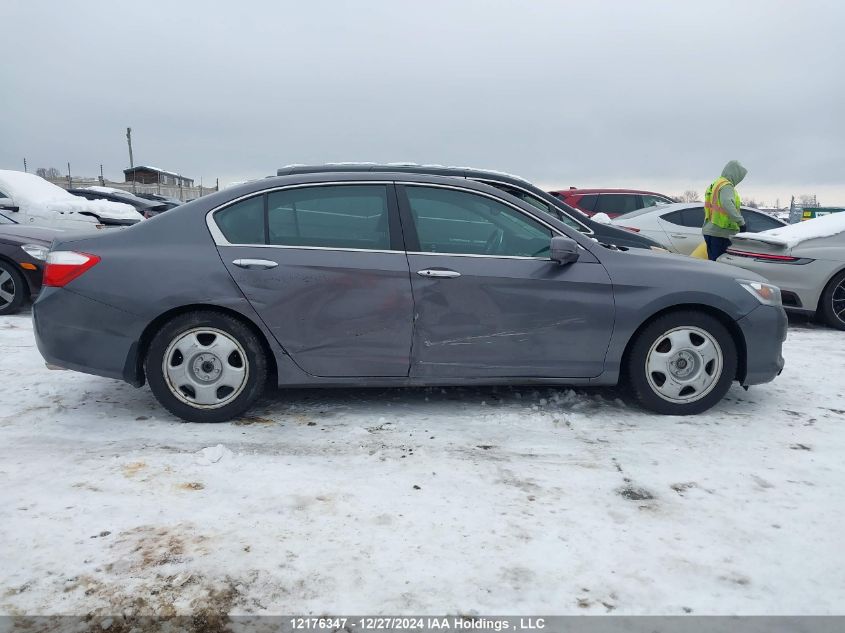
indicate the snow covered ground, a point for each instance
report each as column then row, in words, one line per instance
column 497, row 501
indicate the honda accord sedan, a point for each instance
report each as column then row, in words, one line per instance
column 394, row 279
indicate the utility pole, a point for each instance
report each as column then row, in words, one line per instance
column 69, row 179
column 24, row 166
column 131, row 160
column 102, row 180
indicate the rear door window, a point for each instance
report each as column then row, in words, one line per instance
column 693, row 218
column 335, row 216
column 616, row 203
column 243, row 222
column 587, row 202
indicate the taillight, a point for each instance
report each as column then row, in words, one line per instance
column 768, row 256
column 629, row 228
column 65, row 266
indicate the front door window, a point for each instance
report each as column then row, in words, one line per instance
column 459, row 222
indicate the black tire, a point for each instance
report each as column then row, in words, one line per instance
column 834, row 291
column 654, row 333
column 254, row 362
column 15, row 285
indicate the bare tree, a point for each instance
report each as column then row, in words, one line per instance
column 807, row 200
column 690, row 195
column 750, row 202
column 52, row 172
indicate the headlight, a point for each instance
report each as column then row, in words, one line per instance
column 36, row 251
column 765, row 293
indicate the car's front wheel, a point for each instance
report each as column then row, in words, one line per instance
column 682, row 363
column 206, row 366
column 12, row 289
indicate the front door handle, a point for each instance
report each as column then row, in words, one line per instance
column 438, row 272
column 679, row 236
column 254, row 263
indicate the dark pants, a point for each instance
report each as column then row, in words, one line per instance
column 716, row 246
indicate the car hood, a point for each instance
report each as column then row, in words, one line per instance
column 23, row 234
column 675, row 264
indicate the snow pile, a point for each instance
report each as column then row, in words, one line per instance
column 412, row 501
column 25, row 187
column 97, row 188
column 30, row 191
column 793, row 234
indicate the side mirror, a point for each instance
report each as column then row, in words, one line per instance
column 8, row 204
column 563, row 250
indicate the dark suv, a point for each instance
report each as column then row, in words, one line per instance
column 513, row 185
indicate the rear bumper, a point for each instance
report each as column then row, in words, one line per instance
column 77, row 333
column 764, row 330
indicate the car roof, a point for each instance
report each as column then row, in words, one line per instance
column 576, row 191
column 354, row 174
column 416, row 168
column 471, row 173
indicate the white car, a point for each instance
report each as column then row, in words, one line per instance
column 805, row 260
column 33, row 201
column 677, row 227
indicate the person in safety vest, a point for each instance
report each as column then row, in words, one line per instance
column 722, row 218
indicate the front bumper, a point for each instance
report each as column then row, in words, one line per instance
column 78, row 333
column 33, row 277
column 764, row 331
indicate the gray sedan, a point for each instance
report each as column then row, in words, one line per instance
column 394, row 279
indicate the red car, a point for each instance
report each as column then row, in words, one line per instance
column 613, row 202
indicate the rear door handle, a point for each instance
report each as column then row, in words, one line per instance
column 679, row 236
column 438, row 272
column 254, row 263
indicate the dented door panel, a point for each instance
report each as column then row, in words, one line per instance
column 510, row 317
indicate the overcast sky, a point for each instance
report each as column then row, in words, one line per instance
column 657, row 95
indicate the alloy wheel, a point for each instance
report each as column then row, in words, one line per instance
column 837, row 301
column 7, row 289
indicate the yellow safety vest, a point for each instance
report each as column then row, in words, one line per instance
column 714, row 211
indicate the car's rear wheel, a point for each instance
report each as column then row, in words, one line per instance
column 12, row 289
column 681, row 363
column 832, row 303
column 206, row 366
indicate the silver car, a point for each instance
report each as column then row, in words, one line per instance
column 806, row 260
column 677, row 227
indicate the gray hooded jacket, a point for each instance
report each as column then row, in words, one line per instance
column 734, row 172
